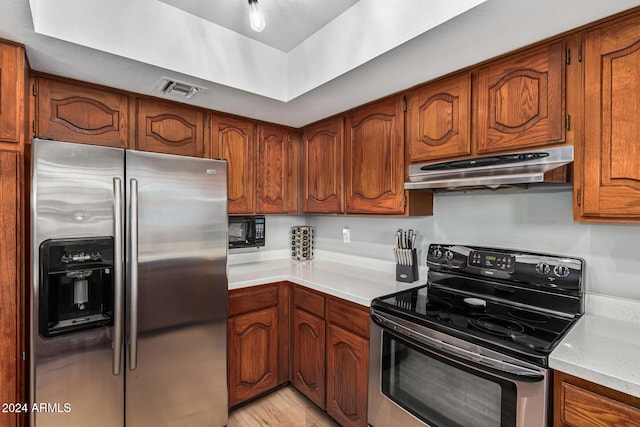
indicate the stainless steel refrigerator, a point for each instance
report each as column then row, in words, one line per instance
column 128, row 298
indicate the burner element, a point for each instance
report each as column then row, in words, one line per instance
column 496, row 325
column 528, row 316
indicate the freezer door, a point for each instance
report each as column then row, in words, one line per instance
column 74, row 378
column 177, row 291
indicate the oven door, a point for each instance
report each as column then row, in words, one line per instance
column 420, row 377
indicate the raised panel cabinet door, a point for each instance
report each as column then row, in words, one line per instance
column 12, row 81
column 253, row 354
column 521, row 100
column 234, row 140
column 75, row 113
column 611, row 171
column 273, row 172
column 169, row 128
column 347, row 374
column 308, row 355
column 10, row 285
column 439, row 119
column 322, row 166
column 374, row 158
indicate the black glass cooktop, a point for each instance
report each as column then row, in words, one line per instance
column 520, row 331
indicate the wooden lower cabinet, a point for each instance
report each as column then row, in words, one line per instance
column 253, row 354
column 580, row 403
column 347, row 372
column 308, row 357
column 258, row 340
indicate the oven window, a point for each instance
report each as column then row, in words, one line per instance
column 441, row 392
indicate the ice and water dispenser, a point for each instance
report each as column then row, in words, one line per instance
column 76, row 285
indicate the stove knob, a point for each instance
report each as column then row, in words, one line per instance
column 436, row 253
column 561, row 270
column 448, row 255
column 543, row 268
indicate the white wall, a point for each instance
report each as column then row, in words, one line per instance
column 537, row 220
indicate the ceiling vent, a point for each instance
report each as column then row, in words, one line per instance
column 177, row 88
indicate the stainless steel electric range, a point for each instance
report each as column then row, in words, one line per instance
column 471, row 347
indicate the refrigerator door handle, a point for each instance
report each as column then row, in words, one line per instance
column 118, row 276
column 133, row 313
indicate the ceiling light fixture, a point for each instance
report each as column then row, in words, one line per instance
column 256, row 18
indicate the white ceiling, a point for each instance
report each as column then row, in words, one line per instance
column 304, row 69
column 289, row 22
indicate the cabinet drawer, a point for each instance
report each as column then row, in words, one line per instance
column 309, row 301
column 252, row 298
column 584, row 408
column 349, row 316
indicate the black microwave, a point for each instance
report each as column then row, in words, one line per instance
column 246, row 231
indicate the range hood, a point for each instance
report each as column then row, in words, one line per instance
column 526, row 167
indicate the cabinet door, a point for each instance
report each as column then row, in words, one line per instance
column 234, row 140
column 580, row 403
column 322, row 166
column 611, row 171
column 12, row 81
column 69, row 112
column 347, row 373
column 374, row 164
column 10, row 285
column 273, row 169
column 521, row 100
column 308, row 355
column 169, row 128
column 253, row 354
column 439, row 119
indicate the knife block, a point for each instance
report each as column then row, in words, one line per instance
column 408, row 273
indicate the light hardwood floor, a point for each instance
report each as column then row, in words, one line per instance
column 283, row 408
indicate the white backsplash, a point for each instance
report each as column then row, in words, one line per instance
column 536, row 220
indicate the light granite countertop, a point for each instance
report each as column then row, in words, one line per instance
column 604, row 345
column 357, row 284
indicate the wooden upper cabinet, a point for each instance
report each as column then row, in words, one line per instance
column 374, row 158
column 521, row 100
column 322, row 165
column 273, row 169
column 170, row 128
column 611, row 170
column 76, row 113
column 439, row 119
column 234, row 140
column 12, row 84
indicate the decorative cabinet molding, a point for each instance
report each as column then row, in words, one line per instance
column 521, row 100
column 439, row 119
column 12, row 89
column 253, row 354
column 374, row 158
column 308, row 356
column 234, row 140
column 272, row 169
column 169, row 128
column 348, row 366
column 611, row 158
column 76, row 113
column 322, row 165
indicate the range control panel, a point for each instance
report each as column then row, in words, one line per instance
column 532, row 268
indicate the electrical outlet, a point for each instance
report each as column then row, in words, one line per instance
column 346, row 235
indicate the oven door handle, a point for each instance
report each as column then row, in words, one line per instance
column 501, row 366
